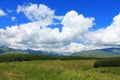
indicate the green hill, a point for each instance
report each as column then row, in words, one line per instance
column 108, row 52
column 4, row 50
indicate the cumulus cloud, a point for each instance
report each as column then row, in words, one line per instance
column 2, row 13
column 106, row 37
column 41, row 12
column 75, row 25
column 72, row 47
column 36, row 35
column 36, row 12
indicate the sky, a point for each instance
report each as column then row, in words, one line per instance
column 60, row 26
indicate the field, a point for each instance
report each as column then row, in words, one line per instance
column 57, row 70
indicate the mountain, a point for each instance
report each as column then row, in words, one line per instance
column 4, row 50
column 107, row 52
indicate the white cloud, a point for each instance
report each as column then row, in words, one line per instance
column 2, row 13
column 75, row 25
column 13, row 18
column 72, row 47
column 106, row 37
column 41, row 12
column 36, row 34
column 36, row 12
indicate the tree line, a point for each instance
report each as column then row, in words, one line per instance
column 108, row 62
column 28, row 57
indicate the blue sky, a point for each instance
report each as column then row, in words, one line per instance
column 102, row 10
column 99, row 15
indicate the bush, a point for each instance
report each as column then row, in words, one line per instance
column 28, row 57
column 108, row 62
column 24, row 57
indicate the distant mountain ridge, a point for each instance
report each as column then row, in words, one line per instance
column 4, row 50
column 106, row 52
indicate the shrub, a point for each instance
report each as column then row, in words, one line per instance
column 24, row 57
column 108, row 62
column 28, row 57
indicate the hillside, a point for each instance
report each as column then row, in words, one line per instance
column 108, row 52
column 4, row 50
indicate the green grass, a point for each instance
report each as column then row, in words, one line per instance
column 57, row 70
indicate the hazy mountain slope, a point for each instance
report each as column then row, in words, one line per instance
column 4, row 50
column 108, row 52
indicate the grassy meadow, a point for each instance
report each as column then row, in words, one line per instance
column 57, row 70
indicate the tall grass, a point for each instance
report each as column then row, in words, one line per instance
column 56, row 70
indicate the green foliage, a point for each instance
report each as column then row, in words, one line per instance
column 108, row 62
column 28, row 57
column 23, row 57
column 76, row 58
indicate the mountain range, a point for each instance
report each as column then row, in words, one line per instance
column 107, row 52
column 4, row 50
